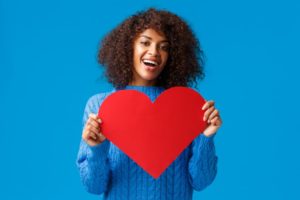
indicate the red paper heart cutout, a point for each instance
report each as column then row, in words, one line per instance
column 153, row 134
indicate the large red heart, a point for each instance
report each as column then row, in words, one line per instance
column 153, row 134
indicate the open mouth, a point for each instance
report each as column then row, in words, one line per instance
column 150, row 63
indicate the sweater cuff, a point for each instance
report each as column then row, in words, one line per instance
column 206, row 142
column 98, row 152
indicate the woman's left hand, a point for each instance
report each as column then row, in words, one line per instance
column 213, row 118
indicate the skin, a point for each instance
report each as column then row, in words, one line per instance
column 154, row 46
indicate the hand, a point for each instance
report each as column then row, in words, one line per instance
column 213, row 118
column 91, row 133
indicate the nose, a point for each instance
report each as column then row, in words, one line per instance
column 153, row 50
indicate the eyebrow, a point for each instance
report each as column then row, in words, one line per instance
column 151, row 38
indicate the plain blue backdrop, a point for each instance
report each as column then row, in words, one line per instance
column 48, row 70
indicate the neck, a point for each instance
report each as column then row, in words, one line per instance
column 142, row 83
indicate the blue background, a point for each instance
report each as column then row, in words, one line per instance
column 49, row 70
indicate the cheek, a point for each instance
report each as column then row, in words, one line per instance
column 136, row 56
column 165, row 57
column 138, row 50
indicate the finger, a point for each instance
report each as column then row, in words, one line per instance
column 95, row 117
column 218, row 122
column 92, row 115
column 92, row 135
column 208, row 112
column 101, row 136
column 208, row 104
column 87, row 135
column 92, row 128
column 93, row 123
column 214, row 120
column 213, row 114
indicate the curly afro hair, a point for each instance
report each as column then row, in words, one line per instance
column 186, row 59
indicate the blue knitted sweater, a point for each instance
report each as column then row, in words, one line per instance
column 105, row 169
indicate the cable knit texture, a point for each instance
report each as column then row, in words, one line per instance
column 105, row 169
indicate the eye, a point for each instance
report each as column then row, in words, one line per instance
column 164, row 47
column 145, row 43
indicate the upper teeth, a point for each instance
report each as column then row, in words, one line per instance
column 151, row 62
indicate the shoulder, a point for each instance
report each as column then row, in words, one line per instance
column 94, row 102
column 97, row 98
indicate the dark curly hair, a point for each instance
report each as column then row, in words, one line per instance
column 185, row 61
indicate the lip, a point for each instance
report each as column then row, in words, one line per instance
column 149, row 68
column 154, row 60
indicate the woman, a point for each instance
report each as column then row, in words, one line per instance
column 149, row 52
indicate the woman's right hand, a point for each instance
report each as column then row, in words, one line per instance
column 91, row 133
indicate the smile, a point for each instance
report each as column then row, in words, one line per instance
column 150, row 63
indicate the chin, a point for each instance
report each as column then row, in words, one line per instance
column 145, row 75
column 148, row 77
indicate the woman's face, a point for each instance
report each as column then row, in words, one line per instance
column 150, row 54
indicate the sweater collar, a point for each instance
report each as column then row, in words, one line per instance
column 151, row 91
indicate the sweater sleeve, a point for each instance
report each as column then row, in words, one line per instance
column 92, row 161
column 203, row 162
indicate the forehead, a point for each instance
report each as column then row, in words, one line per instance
column 153, row 35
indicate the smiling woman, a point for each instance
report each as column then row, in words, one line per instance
column 149, row 57
column 171, row 34
column 149, row 52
